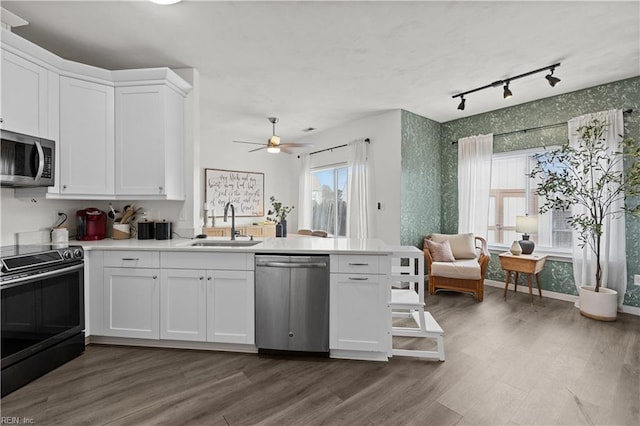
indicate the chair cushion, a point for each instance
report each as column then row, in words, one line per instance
column 440, row 252
column 464, row 269
column 462, row 245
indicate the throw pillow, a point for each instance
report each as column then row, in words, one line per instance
column 440, row 252
column 462, row 245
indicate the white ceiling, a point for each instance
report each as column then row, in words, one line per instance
column 320, row 64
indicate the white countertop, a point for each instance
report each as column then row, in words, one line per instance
column 296, row 244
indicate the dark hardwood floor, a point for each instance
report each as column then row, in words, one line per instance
column 507, row 363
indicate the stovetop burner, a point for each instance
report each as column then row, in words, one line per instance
column 32, row 257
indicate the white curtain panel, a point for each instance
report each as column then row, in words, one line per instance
column 357, row 201
column 613, row 246
column 304, row 193
column 474, row 183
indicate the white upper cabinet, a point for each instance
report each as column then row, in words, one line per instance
column 149, row 142
column 24, row 96
column 119, row 134
column 86, row 137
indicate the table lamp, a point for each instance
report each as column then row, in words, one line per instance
column 527, row 225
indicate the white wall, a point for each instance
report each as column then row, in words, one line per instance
column 280, row 170
column 384, row 132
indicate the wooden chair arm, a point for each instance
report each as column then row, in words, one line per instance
column 427, row 254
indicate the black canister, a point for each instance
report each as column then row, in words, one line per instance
column 163, row 230
column 146, row 230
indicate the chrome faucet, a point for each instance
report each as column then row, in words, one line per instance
column 233, row 218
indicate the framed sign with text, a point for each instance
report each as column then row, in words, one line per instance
column 245, row 190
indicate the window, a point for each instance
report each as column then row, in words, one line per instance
column 513, row 194
column 329, row 199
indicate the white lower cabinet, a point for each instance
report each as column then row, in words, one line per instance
column 230, row 307
column 183, row 304
column 131, row 302
column 359, row 315
column 357, row 304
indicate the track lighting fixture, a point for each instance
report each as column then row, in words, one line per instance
column 505, row 84
column 551, row 78
column 507, row 93
column 462, row 102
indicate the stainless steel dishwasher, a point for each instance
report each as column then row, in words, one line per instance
column 292, row 303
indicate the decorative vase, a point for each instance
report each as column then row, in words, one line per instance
column 515, row 249
column 284, row 228
column 602, row 305
column 526, row 244
column 278, row 229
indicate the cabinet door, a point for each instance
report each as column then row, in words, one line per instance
column 140, row 140
column 183, row 305
column 230, row 307
column 24, row 96
column 358, row 312
column 86, row 137
column 131, row 302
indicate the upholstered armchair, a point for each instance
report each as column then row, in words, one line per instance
column 456, row 262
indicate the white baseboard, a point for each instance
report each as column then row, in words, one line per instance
column 633, row 310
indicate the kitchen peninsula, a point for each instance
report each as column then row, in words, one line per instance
column 197, row 293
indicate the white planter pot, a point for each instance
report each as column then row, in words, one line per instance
column 602, row 305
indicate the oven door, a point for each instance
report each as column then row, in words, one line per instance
column 41, row 310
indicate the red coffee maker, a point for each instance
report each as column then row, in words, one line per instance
column 91, row 224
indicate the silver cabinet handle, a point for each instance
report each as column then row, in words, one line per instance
column 358, row 278
column 155, row 277
column 201, row 278
column 358, row 264
column 130, row 258
column 208, row 278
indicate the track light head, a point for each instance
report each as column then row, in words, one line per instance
column 507, row 93
column 551, row 79
column 462, row 103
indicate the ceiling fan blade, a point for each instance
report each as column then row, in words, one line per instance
column 258, row 149
column 285, row 150
column 297, row 145
column 252, row 143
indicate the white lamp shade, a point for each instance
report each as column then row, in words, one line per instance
column 527, row 224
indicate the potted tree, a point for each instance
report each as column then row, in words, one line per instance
column 590, row 176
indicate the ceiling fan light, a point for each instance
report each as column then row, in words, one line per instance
column 274, row 140
column 273, row 149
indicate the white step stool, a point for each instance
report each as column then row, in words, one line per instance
column 407, row 301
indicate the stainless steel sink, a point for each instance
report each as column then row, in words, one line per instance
column 228, row 243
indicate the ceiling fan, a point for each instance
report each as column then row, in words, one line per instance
column 273, row 145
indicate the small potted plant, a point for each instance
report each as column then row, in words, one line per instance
column 590, row 176
column 279, row 213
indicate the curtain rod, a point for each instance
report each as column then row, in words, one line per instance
column 548, row 126
column 334, row 147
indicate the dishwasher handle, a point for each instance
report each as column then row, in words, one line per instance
column 272, row 264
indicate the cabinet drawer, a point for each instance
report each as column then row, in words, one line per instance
column 359, row 264
column 132, row 259
column 207, row 260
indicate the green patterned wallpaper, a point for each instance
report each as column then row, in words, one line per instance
column 557, row 276
column 420, row 199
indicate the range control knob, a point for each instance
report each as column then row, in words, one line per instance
column 67, row 254
column 77, row 253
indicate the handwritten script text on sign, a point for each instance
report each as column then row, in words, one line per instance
column 244, row 190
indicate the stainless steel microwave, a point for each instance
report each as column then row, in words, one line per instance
column 26, row 160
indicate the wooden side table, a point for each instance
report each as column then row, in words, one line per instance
column 525, row 263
